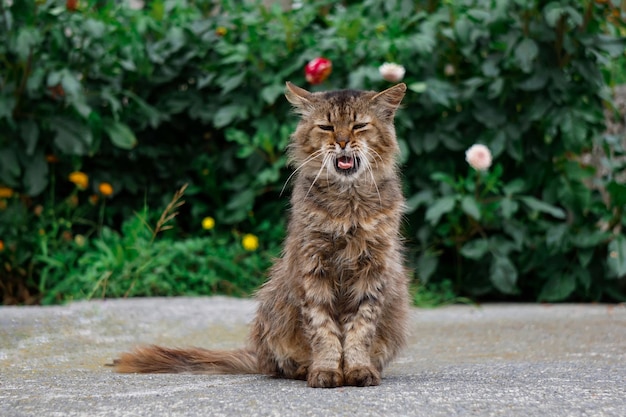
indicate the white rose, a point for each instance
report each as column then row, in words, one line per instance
column 392, row 72
column 479, row 157
column 136, row 4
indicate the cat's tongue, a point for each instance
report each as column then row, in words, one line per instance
column 345, row 162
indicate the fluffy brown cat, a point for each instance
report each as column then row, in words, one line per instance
column 334, row 310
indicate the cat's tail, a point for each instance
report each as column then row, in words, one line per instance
column 157, row 359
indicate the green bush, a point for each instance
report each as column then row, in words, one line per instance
column 190, row 92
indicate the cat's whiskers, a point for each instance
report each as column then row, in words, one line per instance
column 368, row 166
column 329, row 155
column 375, row 155
column 310, row 158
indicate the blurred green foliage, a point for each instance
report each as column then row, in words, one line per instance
column 190, row 92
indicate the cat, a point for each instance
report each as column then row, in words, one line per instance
column 334, row 310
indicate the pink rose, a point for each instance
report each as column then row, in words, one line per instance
column 479, row 157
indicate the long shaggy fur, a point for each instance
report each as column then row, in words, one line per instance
column 335, row 307
column 160, row 360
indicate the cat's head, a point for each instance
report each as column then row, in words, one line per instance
column 345, row 133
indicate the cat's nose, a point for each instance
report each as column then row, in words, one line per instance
column 342, row 143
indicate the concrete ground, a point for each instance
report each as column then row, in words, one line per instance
column 494, row 360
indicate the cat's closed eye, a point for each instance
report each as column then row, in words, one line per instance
column 359, row 126
column 328, row 128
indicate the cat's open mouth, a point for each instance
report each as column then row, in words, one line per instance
column 347, row 164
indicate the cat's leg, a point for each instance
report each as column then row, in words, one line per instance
column 281, row 346
column 323, row 334
column 392, row 331
column 358, row 368
column 372, row 293
column 359, row 333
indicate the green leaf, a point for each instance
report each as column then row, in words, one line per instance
column 417, row 200
column 583, row 277
column 552, row 13
column 518, row 232
column 616, row 258
column 508, row 207
column 95, row 28
column 491, row 67
column 538, row 205
column 495, row 88
column 475, row 249
column 558, row 287
column 503, row 274
column 462, row 28
column 237, row 136
column 27, row 38
column 514, row 187
column 442, row 177
column 470, row 207
column 272, row 92
column 109, row 98
column 589, row 237
column 584, row 256
column 358, row 77
column 30, row 135
column 71, row 86
column 440, row 92
column 574, row 130
column 426, row 265
column 35, row 174
column 611, row 45
column 205, row 80
column 488, row 114
column 7, row 103
column 535, row 82
column 617, row 192
column 72, row 137
column 526, row 53
column 440, row 207
column 479, row 15
column 120, row 134
column 148, row 112
column 418, row 87
column 10, row 170
column 226, row 114
column 230, row 82
column 556, row 235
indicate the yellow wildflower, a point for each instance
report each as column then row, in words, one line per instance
column 80, row 179
column 208, row 223
column 93, row 199
column 72, row 201
column 250, row 242
column 80, row 240
column 221, row 31
column 6, row 192
column 105, row 189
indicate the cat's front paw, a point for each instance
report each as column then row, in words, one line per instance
column 325, row 378
column 362, row 376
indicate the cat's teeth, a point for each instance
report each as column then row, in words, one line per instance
column 345, row 162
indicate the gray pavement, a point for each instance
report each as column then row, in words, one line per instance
column 493, row 360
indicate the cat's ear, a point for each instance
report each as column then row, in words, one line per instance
column 299, row 97
column 387, row 102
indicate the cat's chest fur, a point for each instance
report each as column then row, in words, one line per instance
column 347, row 212
column 338, row 232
